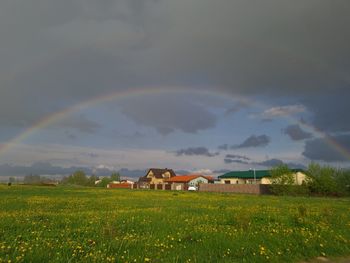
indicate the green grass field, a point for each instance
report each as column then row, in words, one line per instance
column 54, row 224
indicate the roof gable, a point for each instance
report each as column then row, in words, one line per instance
column 157, row 173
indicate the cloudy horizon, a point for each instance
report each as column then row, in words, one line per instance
column 217, row 86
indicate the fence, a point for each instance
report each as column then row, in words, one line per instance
column 174, row 186
column 120, row 186
column 257, row 189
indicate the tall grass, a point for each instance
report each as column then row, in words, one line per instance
column 41, row 224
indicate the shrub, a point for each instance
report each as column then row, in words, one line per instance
column 322, row 180
column 283, row 183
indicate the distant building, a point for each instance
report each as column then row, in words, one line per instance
column 257, row 177
column 156, row 176
column 190, row 179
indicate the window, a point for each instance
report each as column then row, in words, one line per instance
column 227, row 182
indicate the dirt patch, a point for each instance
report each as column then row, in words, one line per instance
column 328, row 260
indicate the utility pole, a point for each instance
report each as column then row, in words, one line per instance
column 254, row 174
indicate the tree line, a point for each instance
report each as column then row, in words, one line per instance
column 80, row 178
column 77, row 178
column 320, row 180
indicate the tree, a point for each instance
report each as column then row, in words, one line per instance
column 282, row 180
column 282, row 175
column 12, row 180
column 78, row 178
column 115, row 176
column 343, row 181
column 32, row 179
column 104, row 182
column 91, row 180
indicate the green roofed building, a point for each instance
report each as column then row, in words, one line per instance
column 255, row 177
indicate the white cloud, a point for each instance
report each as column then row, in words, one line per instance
column 281, row 111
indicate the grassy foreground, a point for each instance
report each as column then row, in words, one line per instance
column 43, row 224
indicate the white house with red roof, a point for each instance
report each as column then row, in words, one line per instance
column 190, row 179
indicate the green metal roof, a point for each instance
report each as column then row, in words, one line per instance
column 246, row 174
column 250, row 174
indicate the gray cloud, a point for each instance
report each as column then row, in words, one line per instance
column 267, row 163
column 223, row 147
column 228, row 161
column 237, row 107
column 221, row 171
column 237, row 156
column 46, row 168
column 38, row 168
column 195, row 151
column 276, row 162
column 253, row 141
column 280, row 111
column 271, row 162
column 80, row 123
column 167, row 114
column 296, row 133
column 324, row 149
column 90, row 154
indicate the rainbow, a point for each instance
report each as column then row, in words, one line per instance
column 61, row 114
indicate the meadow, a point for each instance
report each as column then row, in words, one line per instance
column 61, row 224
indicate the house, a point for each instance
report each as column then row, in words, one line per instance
column 257, row 177
column 156, row 176
column 121, row 184
column 190, row 179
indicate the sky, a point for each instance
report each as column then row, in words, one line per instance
column 198, row 86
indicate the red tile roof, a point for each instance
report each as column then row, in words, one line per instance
column 186, row 178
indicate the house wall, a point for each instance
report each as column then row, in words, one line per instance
column 154, row 180
column 299, row 178
column 166, row 175
column 157, row 181
column 239, row 181
column 178, row 186
column 197, row 180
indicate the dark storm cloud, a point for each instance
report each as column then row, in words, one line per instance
column 296, row 133
column 253, row 141
column 195, row 151
column 322, row 149
column 59, row 51
column 331, row 110
column 167, row 114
